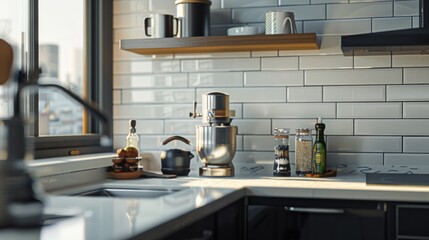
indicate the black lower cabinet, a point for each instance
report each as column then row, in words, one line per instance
column 226, row 224
column 294, row 218
column 408, row 221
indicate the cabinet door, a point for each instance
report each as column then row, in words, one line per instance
column 225, row 224
column 315, row 219
column 410, row 221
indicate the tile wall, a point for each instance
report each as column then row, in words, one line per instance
column 376, row 108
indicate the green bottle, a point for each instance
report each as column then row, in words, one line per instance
column 319, row 149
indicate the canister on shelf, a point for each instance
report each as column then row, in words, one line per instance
column 303, row 151
column 194, row 17
column 281, row 152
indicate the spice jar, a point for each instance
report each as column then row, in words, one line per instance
column 281, row 152
column 303, row 151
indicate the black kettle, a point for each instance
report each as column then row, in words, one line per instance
column 176, row 161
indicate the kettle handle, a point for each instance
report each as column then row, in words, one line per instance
column 176, row 138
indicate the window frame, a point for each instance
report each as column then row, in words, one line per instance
column 98, row 83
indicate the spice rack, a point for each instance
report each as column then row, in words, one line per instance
column 149, row 46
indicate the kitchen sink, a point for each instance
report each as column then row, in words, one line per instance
column 127, row 192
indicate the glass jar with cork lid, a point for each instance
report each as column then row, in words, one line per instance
column 303, row 151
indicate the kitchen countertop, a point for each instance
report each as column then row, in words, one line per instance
column 151, row 218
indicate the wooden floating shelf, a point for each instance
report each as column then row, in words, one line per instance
column 149, row 46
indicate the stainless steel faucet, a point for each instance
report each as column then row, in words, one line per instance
column 21, row 203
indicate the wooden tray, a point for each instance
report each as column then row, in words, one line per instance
column 328, row 173
column 125, row 175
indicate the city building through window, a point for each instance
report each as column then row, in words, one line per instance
column 71, row 46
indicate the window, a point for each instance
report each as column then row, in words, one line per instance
column 70, row 41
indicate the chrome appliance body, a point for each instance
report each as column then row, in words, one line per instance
column 216, row 142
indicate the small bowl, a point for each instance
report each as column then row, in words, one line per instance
column 244, row 30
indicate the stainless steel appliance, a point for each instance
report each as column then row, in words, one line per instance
column 216, row 141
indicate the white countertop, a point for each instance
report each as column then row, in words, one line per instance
column 107, row 218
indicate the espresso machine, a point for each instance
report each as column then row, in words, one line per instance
column 216, row 140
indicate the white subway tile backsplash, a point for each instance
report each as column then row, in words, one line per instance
column 416, row 110
column 369, row 110
column 338, row 27
column 383, row 61
column 162, row 6
column 410, row 60
column 359, row 10
column 289, row 110
column 374, row 107
column 253, row 126
column 406, row 159
column 416, row 76
column 151, row 111
column 212, row 55
column 204, row 65
column 265, row 53
column 353, row 93
column 220, row 17
column 150, row 81
column 274, row 78
column 245, row 95
column 406, row 8
column 158, row 96
column 126, row 67
column 408, row 93
column 248, row 3
column 130, row 6
column 304, row 94
column 229, row 79
column 416, row 144
column 254, row 15
column 216, row 4
column 364, row 144
column 353, row 159
column 353, row 77
column 293, row 124
column 181, row 127
column 328, row 1
column 258, row 143
column 412, row 127
column 253, row 156
column 333, row 126
column 129, row 20
column 280, row 63
column 388, row 24
column 338, row 126
column 142, row 127
column 166, row 66
column 117, row 95
column 294, row 2
column 325, row 62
